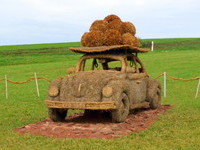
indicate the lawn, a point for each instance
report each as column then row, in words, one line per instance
column 177, row 129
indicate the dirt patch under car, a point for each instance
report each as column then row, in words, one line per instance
column 80, row 126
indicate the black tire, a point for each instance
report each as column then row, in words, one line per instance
column 57, row 115
column 120, row 114
column 155, row 101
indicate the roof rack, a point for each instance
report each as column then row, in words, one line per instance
column 109, row 49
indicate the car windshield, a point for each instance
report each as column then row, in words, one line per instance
column 101, row 62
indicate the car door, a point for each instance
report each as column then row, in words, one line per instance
column 136, row 79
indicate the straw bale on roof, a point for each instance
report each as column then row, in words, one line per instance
column 112, row 17
column 128, row 27
column 115, row 24
column 99, row 25
column 83, row 42
column 92, row 39
column 110, row 31
column 112, row 37
column 129, row 39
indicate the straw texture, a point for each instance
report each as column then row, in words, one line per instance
column 128, row 39
column 115, row 24
column 128, row 27
column 111, row 31
column 99, row 25
column 92, row 39
column 112, row 17
column 100, row 49
column 112, row 37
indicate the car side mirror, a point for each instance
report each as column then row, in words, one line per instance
column 71, row 70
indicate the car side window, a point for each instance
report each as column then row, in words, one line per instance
column 114, row 65
column 111, row 64
column 92, row 64
column 133, row 65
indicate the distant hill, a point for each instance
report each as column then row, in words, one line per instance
column 173, row 44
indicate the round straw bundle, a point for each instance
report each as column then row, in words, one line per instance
column 115, row 24
column 99, row 25
column 128, row 27
column 112, row 37
column 129, row 39
column 110, row 18
column 92, row 39
column 83, row 43
column 110, row 31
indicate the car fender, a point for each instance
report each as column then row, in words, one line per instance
column 118, row 87
column 54, row 89
column 151, row 88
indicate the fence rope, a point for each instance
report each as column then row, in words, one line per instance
column 2, row 79
column 159, row 76
column 181, row 79
column 196, row 78
column 28, row 80
column 33, row 78
column 36, row 78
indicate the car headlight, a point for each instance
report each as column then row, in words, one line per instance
column 107, row 91
column 53, row 91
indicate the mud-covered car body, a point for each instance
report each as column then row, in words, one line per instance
column 112, row 82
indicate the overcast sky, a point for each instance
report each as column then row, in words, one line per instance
column 54, row 21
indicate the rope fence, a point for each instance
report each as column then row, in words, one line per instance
column 22, row 82
column 181, row 79
column 26, row 81
column 164, row 75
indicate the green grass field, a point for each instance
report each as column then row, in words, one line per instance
column 177, row 129
column 174, row 44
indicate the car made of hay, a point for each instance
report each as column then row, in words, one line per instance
column 115, row 83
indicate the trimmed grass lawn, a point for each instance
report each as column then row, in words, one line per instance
column 177, row 129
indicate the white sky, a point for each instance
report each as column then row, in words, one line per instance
column 54, row 21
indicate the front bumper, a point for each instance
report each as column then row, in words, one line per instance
column 82, row 105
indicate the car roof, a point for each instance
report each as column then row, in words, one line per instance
column 102, row 55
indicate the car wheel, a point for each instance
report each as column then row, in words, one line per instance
column 121, row 113
column 155, row 101
column 57, row 115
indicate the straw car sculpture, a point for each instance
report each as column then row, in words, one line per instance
column 109, row 77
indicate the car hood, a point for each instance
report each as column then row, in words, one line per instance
column 87, row 85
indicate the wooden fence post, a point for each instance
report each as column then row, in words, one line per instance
column 165, row 84
column 6, row 85
column 197, row 89
column 36, row 83
column 152, row 46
